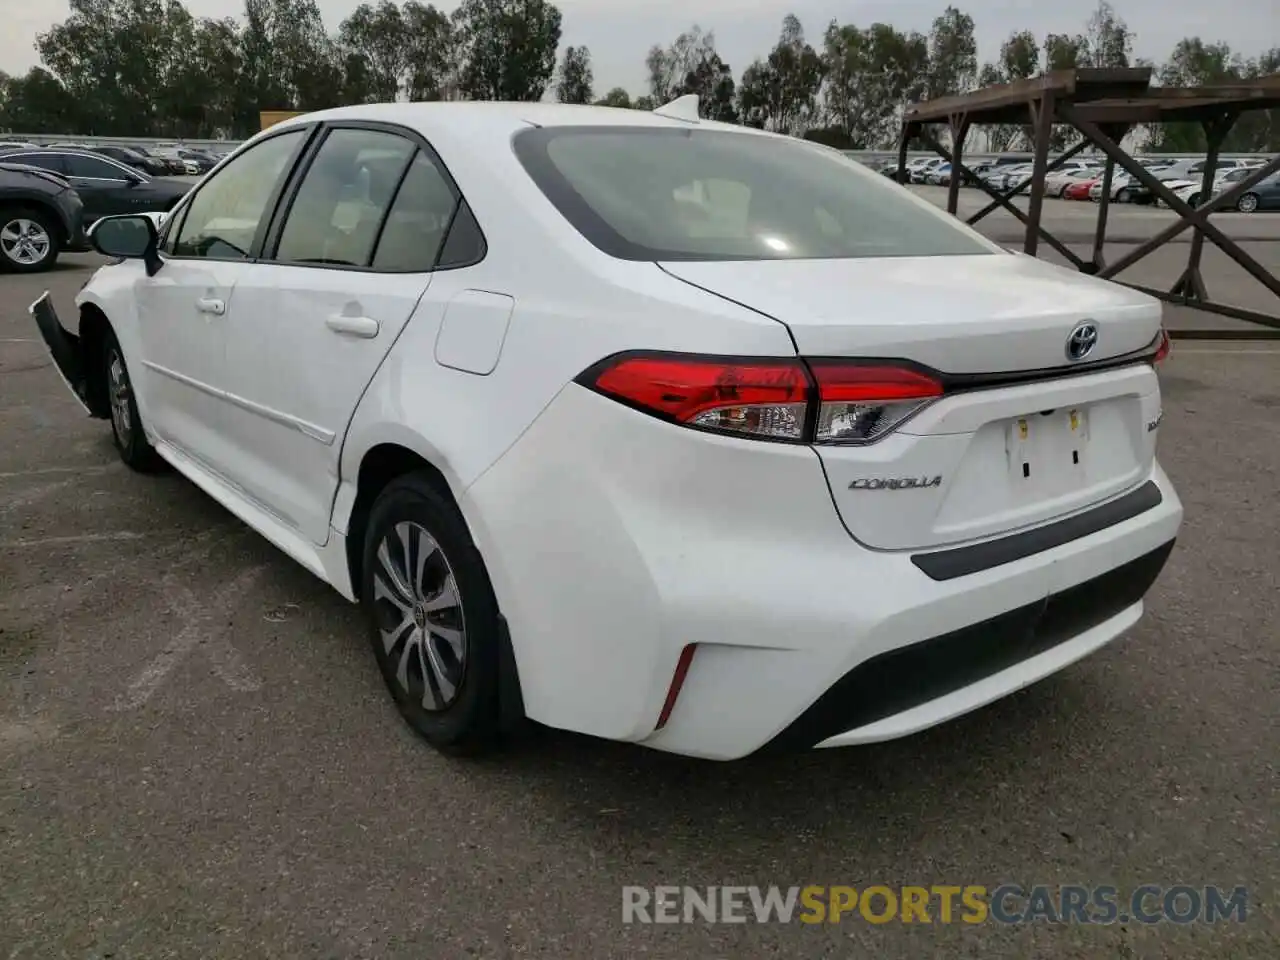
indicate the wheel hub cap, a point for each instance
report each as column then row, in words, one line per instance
column 418, row 608
column 24, row 241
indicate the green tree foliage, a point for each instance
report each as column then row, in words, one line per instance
column 1065, row 52
column 617, row 97
column 39, row 103
column 374, row 36
column 573, row 84
column 509, row 48
column 1108, row 41
column 431, row 52
column 691, row 65
column 780, row 92
column 871, row 75
column 953, row 54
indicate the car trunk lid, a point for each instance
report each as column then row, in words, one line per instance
column 1023, row 434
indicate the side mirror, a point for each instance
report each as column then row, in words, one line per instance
column 131, row 237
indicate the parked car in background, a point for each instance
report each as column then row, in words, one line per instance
column 174, row 155
column 1056, row 183
column 15, row 144
column 1080, row 189
column 1189, row 192
column 920, row 168
column 1264, row 195
column 106, row 186
column 40, row 216
column 1013, row 174
column 939, row 176
column 172, row 165
column 203, row 162
column 592, row 446
column 135, row 159
column 1124, row 189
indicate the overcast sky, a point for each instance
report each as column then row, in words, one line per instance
column 620, row 32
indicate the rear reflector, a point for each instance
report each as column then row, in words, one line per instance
column 1163, row 348
column 677, row 681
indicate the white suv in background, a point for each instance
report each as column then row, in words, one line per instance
column 640, row 425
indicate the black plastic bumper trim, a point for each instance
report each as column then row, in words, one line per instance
column 64, row 348
column 962, row 561
column 900, row 679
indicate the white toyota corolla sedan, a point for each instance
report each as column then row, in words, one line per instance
column 638, row 425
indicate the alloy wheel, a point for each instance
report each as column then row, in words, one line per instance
column 419, row 613
column 118, row 394
column 1247, row 204
column 25, row 241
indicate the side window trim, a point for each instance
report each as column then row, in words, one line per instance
column 391, row 205
column 267, row 252
column 273, row 200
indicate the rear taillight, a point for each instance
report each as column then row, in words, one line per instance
column 763, row 398
column 809, row 401
column 1163, row 348
column 860, row 403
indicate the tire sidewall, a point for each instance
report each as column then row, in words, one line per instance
column 471, row 721
column 1242, row 204
column 7, row 216
column 137, row 451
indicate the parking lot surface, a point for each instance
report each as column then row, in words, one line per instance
column 197, row 758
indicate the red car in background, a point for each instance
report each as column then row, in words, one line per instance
column 1078, row 190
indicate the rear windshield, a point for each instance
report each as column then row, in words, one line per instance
column 657, row 193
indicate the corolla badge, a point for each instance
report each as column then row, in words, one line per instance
column 894, row 483
column 1082, row 340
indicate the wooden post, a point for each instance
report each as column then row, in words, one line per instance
column 1043, row 117
column 959, row 130
column 907, row 133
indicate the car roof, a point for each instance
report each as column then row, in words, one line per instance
column 503, row 117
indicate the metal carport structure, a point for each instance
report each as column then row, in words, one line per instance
column 1103, row 105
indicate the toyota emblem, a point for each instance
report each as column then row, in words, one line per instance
column 1082, row 340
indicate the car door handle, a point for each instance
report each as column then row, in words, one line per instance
column 211, row 305
column 365, row 327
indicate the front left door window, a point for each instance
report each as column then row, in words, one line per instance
column 184, row 310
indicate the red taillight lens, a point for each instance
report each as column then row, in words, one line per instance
column 860, row 403
column 815, row 401
column 1163, row 348
column 766, row 398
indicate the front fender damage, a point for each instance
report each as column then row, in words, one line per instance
column 65, row 348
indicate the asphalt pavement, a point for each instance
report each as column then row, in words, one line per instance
column 197, row 758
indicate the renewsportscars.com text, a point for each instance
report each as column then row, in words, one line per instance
column 972, row 904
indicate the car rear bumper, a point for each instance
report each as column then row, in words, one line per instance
column 615, row 541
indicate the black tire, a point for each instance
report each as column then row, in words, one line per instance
column 1124, row 195
column 1247, row 203
column 468, row 722
column 52, row 230
column 126, row 424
